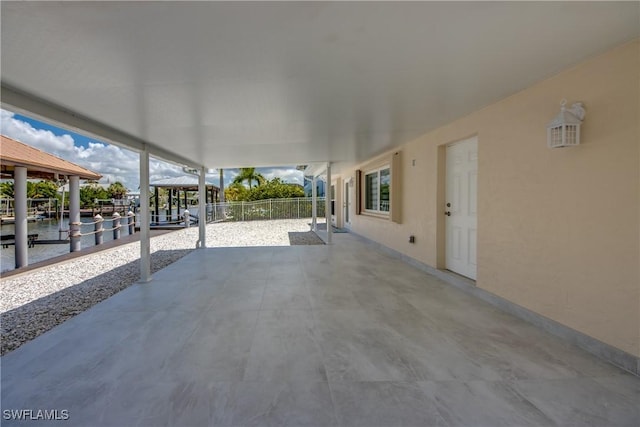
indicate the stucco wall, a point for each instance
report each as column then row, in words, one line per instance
column 558, row 230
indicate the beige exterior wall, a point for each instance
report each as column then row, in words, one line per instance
column 558, row 229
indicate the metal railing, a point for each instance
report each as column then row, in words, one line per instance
column 294, row 208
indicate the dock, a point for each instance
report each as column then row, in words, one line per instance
column 10, row 239
column 12, row 220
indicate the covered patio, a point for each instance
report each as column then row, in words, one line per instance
column 309, row 335
column 357, row 332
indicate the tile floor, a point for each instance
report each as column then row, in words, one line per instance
column 338, row 335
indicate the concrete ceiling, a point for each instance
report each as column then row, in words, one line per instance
column 260, row 84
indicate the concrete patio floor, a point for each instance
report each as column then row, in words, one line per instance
column 338, row 335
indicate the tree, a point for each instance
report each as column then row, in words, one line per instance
column 249, row 175
column 236, row 192
column 117, row 190
column 275, row 189
column 6, row 189
column 35, row 190
column 89, row 193
column 44, row 190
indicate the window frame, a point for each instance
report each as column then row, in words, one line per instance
column 365, row 187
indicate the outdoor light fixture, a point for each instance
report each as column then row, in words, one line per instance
column 564, row 129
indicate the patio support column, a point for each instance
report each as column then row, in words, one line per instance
column 20, row 214
column 145, row 244
column 327, row 203
column 221, row 191
column 186, row 203
column 314, row 205
column 202, row 214
column 170, row 204
column 74, row 213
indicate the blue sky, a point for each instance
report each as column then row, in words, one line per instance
column 114, row 163
column 79, row 140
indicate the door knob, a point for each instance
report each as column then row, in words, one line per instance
column 447, row 213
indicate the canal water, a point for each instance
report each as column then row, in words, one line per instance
column 47, row 229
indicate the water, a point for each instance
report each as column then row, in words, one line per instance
column 48, row 230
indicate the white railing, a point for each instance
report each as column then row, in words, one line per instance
column 35, row 207
column 294, row 208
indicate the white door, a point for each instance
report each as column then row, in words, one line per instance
column 461, row 207
column 347, row 205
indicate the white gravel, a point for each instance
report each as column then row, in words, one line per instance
column 34, row 302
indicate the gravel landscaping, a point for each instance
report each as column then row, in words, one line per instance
column 35, row 302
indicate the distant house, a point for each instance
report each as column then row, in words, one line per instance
column 308, row 187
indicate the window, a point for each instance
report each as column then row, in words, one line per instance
column 333, row 200
column 377, row 190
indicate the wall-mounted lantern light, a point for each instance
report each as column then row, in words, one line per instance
column 564, row 129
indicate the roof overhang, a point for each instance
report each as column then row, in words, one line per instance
column 232, row 84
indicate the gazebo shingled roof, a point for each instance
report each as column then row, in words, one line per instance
column 38, row 163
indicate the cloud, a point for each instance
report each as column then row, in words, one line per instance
column 286, row 174
column 39, row 138
column 112, row 162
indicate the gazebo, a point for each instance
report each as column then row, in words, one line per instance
column 177, row 186
column 20, row 162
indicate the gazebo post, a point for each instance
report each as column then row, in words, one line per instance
column 170, row 213
column 186, row 203
column 20, row 196
column 74, row 213
column 156, row 197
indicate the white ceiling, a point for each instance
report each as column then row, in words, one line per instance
column 260, row 84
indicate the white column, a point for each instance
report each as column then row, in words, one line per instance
column 327, row 203
column 202, row 215
column 20, row 205
column 145, row 244
column 74, row 213
column 314, row 205
column 221, row 196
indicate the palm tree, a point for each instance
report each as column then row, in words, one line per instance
column 117, row 190
column 249, row 175
column 7, row 189
column 236, row 191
